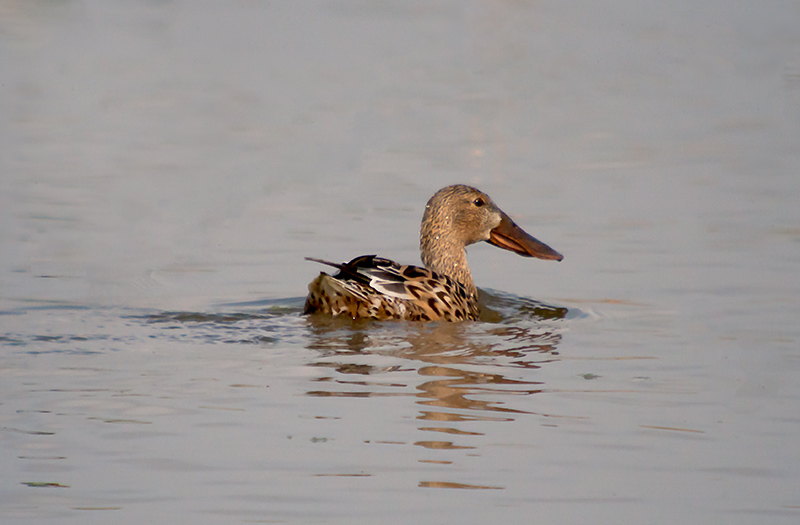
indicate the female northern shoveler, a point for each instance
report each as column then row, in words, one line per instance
column 455, row 217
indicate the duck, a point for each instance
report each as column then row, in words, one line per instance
column 372, row 287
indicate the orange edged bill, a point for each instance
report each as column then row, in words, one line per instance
column 509, row 236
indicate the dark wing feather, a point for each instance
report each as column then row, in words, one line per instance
column 382, row 275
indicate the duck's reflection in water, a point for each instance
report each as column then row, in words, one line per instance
column 460, row 373
column 453, row 388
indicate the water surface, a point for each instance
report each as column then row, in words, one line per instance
column 166, row 166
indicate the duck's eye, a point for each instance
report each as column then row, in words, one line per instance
column 479, row 202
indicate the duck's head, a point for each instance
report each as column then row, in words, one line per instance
column 460, row 215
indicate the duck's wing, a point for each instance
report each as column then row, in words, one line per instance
column 382, row 275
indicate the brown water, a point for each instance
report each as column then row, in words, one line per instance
column 166, row 166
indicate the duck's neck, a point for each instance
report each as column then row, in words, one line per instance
column 446, row 256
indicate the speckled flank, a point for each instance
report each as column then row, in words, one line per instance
column 427, row 296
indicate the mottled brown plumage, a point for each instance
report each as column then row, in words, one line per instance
column 455, row 217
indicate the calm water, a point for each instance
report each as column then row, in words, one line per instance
column 165, row 167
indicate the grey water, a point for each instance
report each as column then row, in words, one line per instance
column 165, row 167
